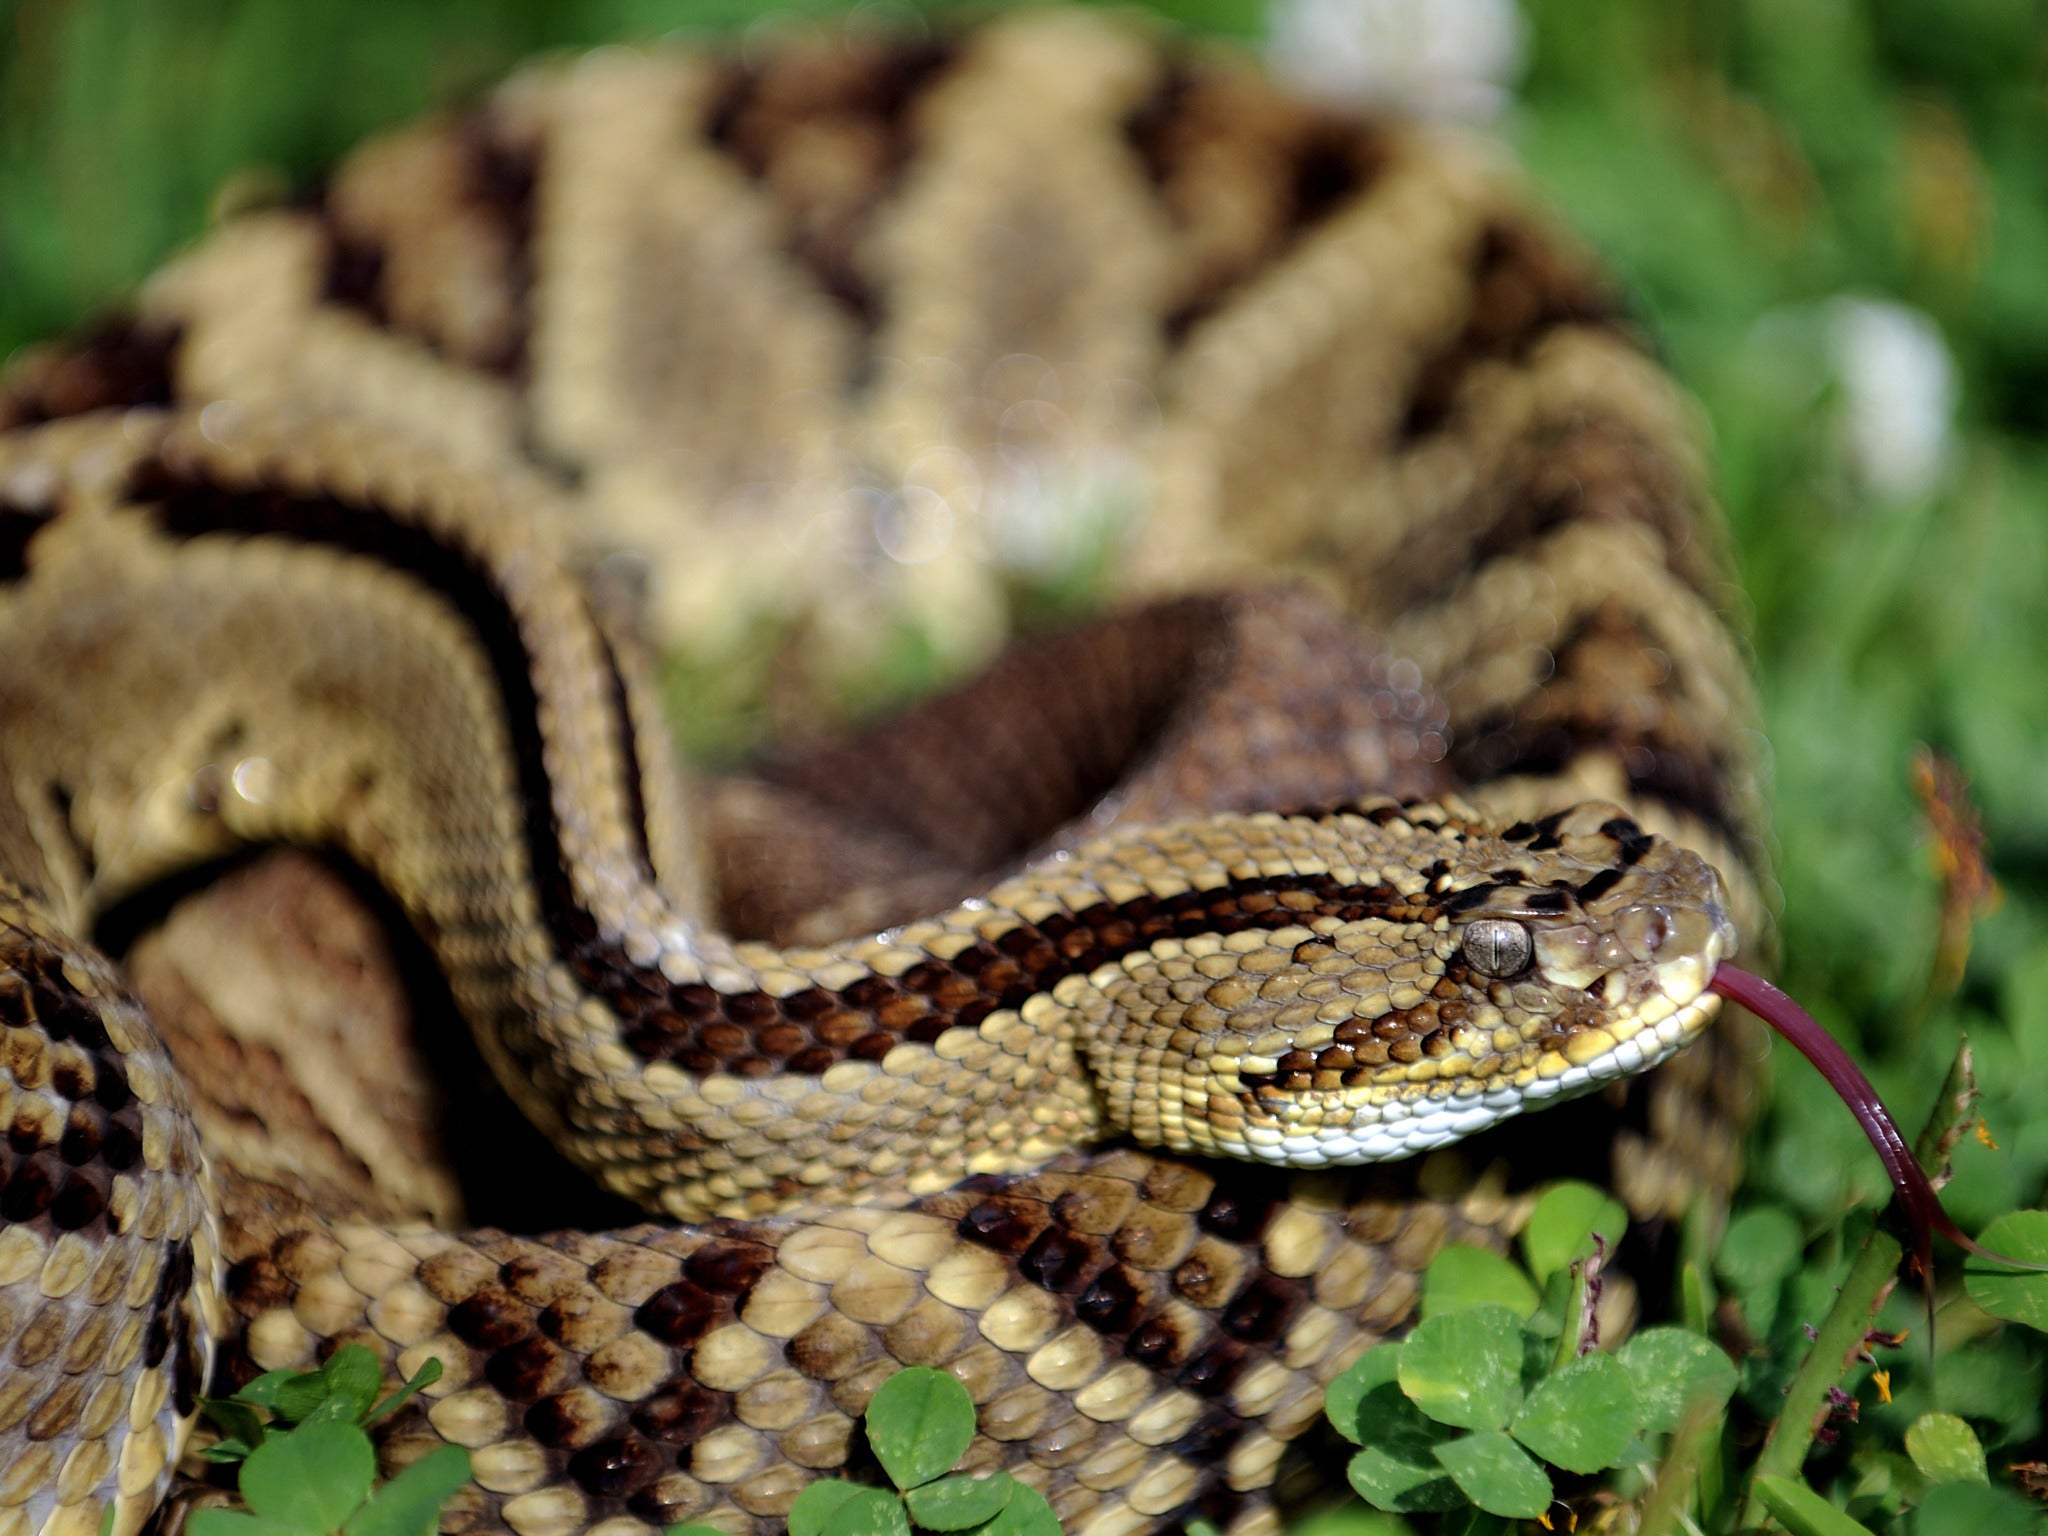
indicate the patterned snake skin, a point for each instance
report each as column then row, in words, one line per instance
column 288, row 554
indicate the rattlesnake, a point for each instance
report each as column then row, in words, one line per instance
column 287, row 546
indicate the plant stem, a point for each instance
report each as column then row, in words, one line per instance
column 1869, row 1281
column 1695, row 1444
column 1578, row 1306
column 1835, row 1348
column 1954, row 1108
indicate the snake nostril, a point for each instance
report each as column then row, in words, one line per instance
column 1645, row 930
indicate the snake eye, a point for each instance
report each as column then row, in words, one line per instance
column 1497, row 946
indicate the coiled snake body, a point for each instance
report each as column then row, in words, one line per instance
column 286, row 553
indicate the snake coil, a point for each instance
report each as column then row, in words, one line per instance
column 289, row 555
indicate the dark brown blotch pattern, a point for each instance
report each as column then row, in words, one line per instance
column 1610, row 694
column 120, row 362
column 1243, row 173
column 1171, row 1266
column 752, row 1034
column 78, row 1124
column 769, row 115
column 1123, row 1291
column 1523, row 284
column 491, row 197
column 1360, row 1047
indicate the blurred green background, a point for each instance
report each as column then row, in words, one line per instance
column 1832, row 216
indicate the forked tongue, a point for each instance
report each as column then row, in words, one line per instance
column 1916, row 1195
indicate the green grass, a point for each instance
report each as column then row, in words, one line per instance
column 1740, row 164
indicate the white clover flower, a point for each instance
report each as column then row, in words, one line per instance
column 1429, row 58
column 1898, row 386
column 1052, row 523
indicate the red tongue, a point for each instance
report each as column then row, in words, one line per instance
column 1922, row 1205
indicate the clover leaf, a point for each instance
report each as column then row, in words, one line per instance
column 2016, row 1296
column 1672, row 1369
column 1465, row 1368
column 920, row 1421
column 1496, row 1474
column 1462, row 1277
column 1566, row 1220
column 1582, row 1416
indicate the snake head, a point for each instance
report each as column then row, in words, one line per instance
column 1442, row 974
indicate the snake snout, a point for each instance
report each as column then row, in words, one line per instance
column 1680, row 942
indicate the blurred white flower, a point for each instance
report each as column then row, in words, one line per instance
column 1051, row 522
column 1898, row 384
column 1432, row 58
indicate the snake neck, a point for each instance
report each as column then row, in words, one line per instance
column 392, row 672
column 688, row 1070
column 396, row 666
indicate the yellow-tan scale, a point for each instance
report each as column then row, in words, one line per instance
column 109, row 1253
column 1140, row 1337
column 846, row 293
